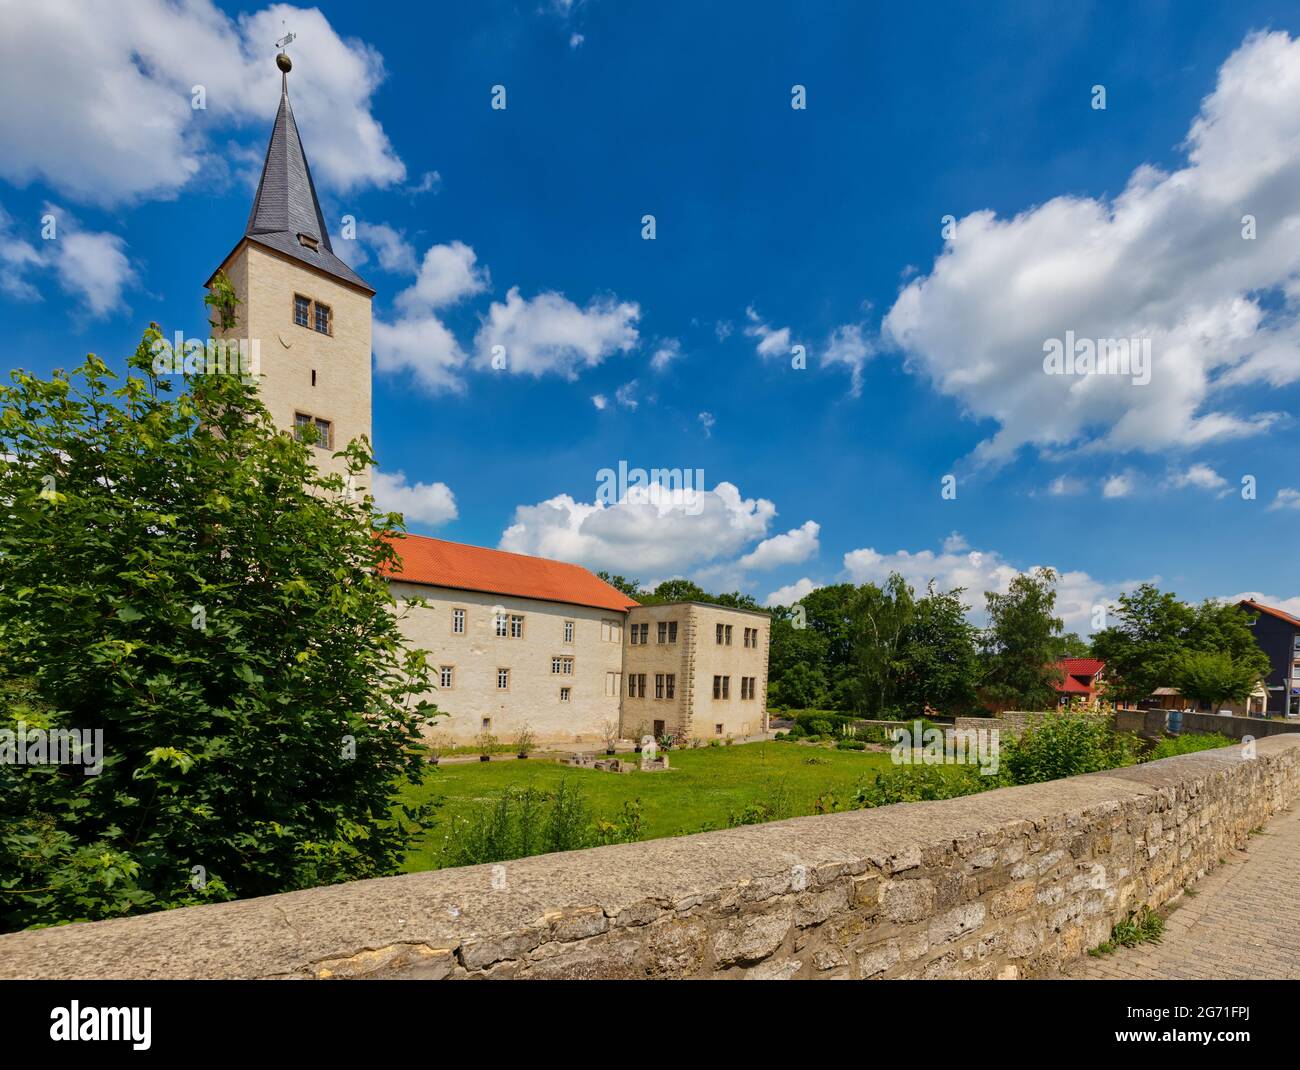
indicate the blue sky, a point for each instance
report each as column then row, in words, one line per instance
column 775, row 227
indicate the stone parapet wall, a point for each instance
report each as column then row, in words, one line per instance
column 1005, row 884
column 1152, row 723
column 1011, row 723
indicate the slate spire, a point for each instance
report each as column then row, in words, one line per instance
column 286, row 213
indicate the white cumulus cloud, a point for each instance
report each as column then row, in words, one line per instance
column 107, row 91
column 796, row 545
column 549, row 334
column 639, row 535
column 422, row 503
column 1165, row 260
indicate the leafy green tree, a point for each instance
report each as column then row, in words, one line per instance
column 1155, row 630
column 1070, row 645
column 939, row 662
column 1021, row 641
column 176, row 573
column 1214, row 677
column 882, row 617
column 631, row 588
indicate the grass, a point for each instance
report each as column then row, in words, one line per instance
column 701, row 790
column 1143, row 927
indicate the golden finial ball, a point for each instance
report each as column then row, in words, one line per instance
column 284, row 62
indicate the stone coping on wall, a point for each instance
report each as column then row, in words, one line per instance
column 1007, row 883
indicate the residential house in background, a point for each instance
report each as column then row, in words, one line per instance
column 1080, row 680
column 1278, row 635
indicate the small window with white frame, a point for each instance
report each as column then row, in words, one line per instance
column 568, row 631
column 503, row 679
column 457, row 622
column 446, row 677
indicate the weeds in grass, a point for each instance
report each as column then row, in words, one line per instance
column 1142, row 927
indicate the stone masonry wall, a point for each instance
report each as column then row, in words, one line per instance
column 1011, row 723
column 1005, row 884
column 1152, row 723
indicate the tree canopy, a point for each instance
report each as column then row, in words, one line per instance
column 176, row 573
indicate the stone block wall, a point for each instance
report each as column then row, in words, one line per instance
column 1006, row 884
column 1011, row 723
column 1151, row 723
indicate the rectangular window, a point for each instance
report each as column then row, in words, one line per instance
column 501, row 625
column 726, row 687
column 717, row 729
column 322, row 318
column 672, row 631
column 301, row 311
column 613, row 684
column 516, row 627
column 631, row 685
column 662, row 632
column 640, row 684
column 611, row 631
column 568, row 631
column 717, row 687
column 659, row 685
column 561, row 664
column 308, row 428
column 632, row 635
column 445, row 676
column 564, row 694
column 670, row 685
column 503, row 679
column 457, row 622
column 728, row 635
column 487, row 724
column 718, row 635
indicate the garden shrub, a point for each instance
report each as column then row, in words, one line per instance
column 1188, row 744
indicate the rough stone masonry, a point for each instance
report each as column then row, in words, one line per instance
column 1006, row 884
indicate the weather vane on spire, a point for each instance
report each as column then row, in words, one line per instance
column 282, row 59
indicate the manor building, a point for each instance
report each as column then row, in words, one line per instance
column 515, row 641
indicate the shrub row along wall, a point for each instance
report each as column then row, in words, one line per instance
column 1151, row 723
column 1008, row 883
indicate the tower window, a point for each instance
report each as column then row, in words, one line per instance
column 301, row 311
column 321, row 432
column 307, row 241
column 322, row 318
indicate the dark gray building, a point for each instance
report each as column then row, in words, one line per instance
column 1278, row 635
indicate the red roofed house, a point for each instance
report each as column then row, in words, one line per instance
column 518, row 640
column 1080, row 681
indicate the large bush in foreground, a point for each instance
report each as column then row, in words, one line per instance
column 176, row 573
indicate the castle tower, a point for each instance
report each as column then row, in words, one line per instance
column 307, row 311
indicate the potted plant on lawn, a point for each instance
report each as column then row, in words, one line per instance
column 525, row 742
column 487, row 743
column 438, row 744
column 610, row 731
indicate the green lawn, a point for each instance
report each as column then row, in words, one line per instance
column 701, row 789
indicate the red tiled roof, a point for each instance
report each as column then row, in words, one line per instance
column 1081, row 666
column 1071, row 686
column 1259, row 607
column 438, row 563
